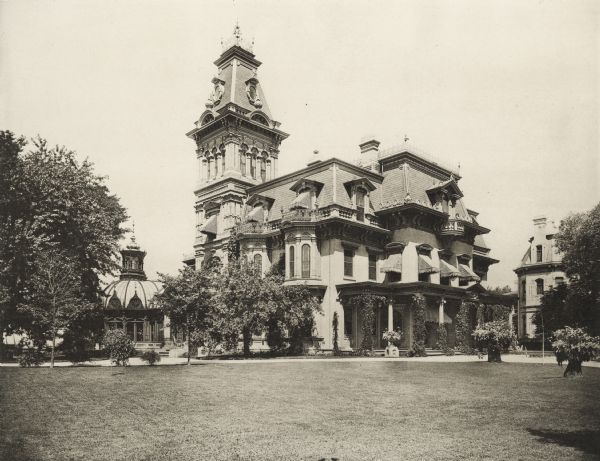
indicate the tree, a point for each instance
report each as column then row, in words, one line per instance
column 49, row 200
column 495, row 336
column 500, row 290
column 54, row 299
column 292, row 308
column 187, row 299
column 576, row 346
column 244, row 299
column 579, row 241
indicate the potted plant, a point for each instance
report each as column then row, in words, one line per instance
column 393, row 343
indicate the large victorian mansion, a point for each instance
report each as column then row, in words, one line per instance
column 396, row 224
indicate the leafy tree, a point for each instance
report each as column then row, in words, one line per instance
column 500, row 290
column 576, row 346
column 244, row 300
column 49, row 200
column 292, row 308
column 54, row 299
column 579, row 241
column 187, row 300
column 118, row 346
column 495, row 336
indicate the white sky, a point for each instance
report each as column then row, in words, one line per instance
column 510, row 90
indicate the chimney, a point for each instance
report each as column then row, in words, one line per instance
column 539, row 222
column 369, row 150
column 369, row 145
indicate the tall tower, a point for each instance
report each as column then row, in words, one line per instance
column 237, row 145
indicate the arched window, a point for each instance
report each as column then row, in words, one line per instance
column 258, row 260
column 253, row 166
column 360, row 205
column 305, row 261
column 292, row 262
column 260, row 119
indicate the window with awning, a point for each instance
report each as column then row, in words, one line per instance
column 257, row 214
column 426, row 265
column 210, row 226
column 433, row 315
column 303, row 200
column 393, row 263
column 466, row 273
column 448, row 270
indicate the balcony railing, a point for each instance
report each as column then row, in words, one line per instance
column 453, row 227
column 251, row 228
column 304, row 215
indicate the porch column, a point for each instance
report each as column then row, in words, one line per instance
column 390, row 316
column 441, row 311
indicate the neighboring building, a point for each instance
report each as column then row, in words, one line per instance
column 129, row 305
column 395, row 226
column 541, row 268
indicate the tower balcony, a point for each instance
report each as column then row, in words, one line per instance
column 453, row 227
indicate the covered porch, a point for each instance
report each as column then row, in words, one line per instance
column 397, row 313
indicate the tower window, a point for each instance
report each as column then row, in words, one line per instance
column 538, row 253
column 263, row 169
column 305, row 261
column 372, row 267
column 348, row 263
column 292, row 262
column 539, row 283
column 253, row 166
column 523, row 290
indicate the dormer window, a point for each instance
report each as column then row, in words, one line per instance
column 358, row 190
column 360, row 204
column 306, row 194
column 260, row 119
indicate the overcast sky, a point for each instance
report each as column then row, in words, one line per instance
column 510, row 90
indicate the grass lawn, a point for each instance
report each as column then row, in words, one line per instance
column 305, row 410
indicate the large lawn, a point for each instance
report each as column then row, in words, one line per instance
column 301, row 410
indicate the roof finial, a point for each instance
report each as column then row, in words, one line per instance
column 237, row 32
column 133, row 232
column 406, row 138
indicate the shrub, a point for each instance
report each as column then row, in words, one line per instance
column 29, row 356
column 118, row 346
column 495, row 336
column 151, row 357
column 576, row 346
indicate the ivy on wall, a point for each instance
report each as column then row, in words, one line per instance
column 335, row 325
column 464, row 326
column 367, row 305
column 442, row 343
column 419, row 306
